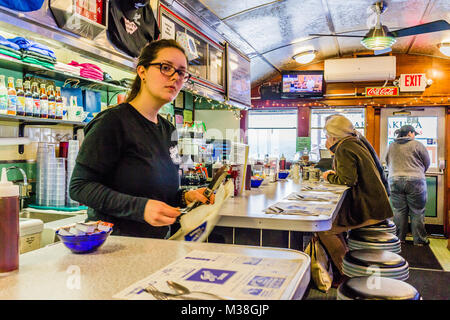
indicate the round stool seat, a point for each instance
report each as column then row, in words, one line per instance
column 372, row 236
column 371, row 257
column 360, row 239
column 376, row 288
column 386, row 226
column 365, row 262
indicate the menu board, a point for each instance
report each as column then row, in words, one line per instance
column 238, row 69
column 205, row 58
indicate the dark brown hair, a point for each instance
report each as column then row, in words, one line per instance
column 148, row 55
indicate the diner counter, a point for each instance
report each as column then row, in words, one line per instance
column 54, row 272
column 247, row 210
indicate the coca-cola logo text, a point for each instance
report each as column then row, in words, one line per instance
column 382, row 91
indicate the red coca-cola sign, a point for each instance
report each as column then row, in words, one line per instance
column 381, row 91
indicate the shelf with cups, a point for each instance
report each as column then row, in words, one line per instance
column 24, row 121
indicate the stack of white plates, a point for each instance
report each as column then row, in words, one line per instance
column 382, row 263
column 380, row 288
column 360, row 239
column 385, row 226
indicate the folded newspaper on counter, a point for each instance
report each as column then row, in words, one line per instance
column 314, row 196
column 301, row 208
column 324, row 186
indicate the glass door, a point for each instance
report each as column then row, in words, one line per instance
column 430, row 123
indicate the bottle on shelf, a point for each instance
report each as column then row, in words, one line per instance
column 51, row 103
column 59, row 104
column 28, row 99
column 12, row 97
column 20, row 107
column 3, row 96
column 44, row 102
column 36, row 100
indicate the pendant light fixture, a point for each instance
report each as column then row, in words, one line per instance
column 379, row 37
column 305, row 57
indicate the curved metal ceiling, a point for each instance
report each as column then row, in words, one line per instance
column 270, row 32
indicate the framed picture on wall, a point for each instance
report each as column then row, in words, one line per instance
column 179, row 101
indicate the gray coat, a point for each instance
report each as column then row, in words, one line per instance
column 407, row 157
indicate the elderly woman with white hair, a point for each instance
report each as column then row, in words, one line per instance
column 366, row 202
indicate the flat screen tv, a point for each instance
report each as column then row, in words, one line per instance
column 302, row 84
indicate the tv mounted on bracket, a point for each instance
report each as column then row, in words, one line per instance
column 302, row 84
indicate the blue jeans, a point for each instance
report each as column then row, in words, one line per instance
column 408, row 198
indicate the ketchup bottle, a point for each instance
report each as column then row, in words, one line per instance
column 9, row 225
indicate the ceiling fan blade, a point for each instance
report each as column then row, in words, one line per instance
column 378, row 52
column 333, row 35
column 434, row 26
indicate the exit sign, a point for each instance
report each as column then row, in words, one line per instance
column 413, row 82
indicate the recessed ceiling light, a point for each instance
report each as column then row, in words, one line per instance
column 444, row 48
column 305, row 57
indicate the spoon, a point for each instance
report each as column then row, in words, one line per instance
column 182, row 290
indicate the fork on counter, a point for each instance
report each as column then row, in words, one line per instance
column 156, row 293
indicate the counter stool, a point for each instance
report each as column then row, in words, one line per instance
column 385, row 226
column 366, row 262
column 380, row 288
column 361, row 239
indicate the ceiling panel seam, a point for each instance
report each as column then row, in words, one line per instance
column 250, row 9
column 425, row 12
column 330, row 24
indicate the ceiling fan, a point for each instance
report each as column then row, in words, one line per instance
column 380, row 39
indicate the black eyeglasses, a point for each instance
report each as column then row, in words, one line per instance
column 168, row 70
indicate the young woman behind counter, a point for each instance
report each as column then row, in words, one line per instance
column 127, row 169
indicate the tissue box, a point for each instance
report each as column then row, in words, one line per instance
column 30, row 234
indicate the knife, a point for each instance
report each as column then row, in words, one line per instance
column 212, row 186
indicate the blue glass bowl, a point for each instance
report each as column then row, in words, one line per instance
column 282, row 175
column 256, row 182
column 86, row 243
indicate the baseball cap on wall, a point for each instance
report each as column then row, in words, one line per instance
column 404, row 130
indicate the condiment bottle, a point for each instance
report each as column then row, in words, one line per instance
column 3, row 96
column 51, row 103
column 28, row 99
column 12, row 97
column 36, row 100
column 44, row 102
column 282, row 162
column 59, row 104
column 20, row 106
column 9, row 225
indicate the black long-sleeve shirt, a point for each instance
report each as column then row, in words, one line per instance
column 124, row 161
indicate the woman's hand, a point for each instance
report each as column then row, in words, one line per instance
column 326, row 173
column 197, row 195
column 158, row 213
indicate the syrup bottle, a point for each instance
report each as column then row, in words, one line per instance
column 12, row 97
column 36, row 100
column 20, row 107
column 9, row 225
column 28, row 99
column 44, row 102
column 51, row 103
